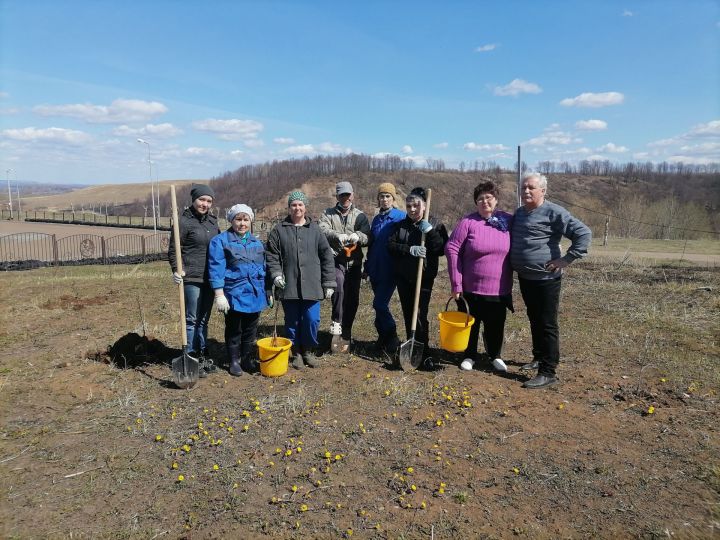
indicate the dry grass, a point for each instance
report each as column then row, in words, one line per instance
column 371, row 452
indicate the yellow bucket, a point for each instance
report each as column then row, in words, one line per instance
column 274, row 358
column 455, row 328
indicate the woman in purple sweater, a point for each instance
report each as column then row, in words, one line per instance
column 478, row 255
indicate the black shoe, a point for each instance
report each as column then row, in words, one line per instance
column 392, row 345
column 235, row 368
column 540, row 381
column 249, row 365
column 532, row 366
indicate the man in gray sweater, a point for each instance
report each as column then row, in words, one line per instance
column 538, row 227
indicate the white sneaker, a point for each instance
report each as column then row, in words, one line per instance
column 335, row 328
column 499, row 365
column 467, row 364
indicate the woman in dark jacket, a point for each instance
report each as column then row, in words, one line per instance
column 197, row 227
column 236, row 263
column 301, row 264
column 404, row 248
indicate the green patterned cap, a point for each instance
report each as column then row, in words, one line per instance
column 297, row 196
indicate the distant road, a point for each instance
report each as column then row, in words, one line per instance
column 658, row 255
column 62, row 230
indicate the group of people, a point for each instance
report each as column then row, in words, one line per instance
column 305, row 262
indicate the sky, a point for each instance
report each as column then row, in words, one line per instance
column 213, row 85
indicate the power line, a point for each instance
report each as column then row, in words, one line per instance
column 631, row 220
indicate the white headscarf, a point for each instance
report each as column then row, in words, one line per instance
column 240, row 209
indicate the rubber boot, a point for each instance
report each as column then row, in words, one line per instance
column 249, row 364
column 297, row 359
column 310, row 359
column 235, row 368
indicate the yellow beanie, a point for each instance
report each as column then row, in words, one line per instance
column 387, row 187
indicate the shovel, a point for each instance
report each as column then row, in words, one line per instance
column 411, row 352
column 185, row 368
column 338, row 344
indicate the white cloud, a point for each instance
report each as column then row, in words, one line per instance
column 710, row 129
column 553, row 137
column 709, row 148
column 333, row 148
column 582, row 151
column 517, row 87
column 692, row 160
column 229, row 130
column 484, row 147
column 441, row 145
column 52, row 134
column 284, row 140
column 627, row 13
column 161, row 131
column 486, row 48
column 9, row 110
column 236, row 153
column 596, row 157
column 641, row 155
column 300, row 149
column 407, row 149
column 120, row 111
column 664, row 142
column 594, row 100
column 591, row 125
column 254, row 143
column 612, row 148
column 322, row 148
column 419, row 161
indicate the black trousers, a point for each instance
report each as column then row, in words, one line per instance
column 492, row 315
column 542, row 300
column 406, row 292
column 240, row 334
column 346, row 299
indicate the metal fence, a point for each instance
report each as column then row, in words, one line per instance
column 32, row 250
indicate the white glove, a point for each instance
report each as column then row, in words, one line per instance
column 329, row 293
column 424, row 226
column 342, row 238
column 270, row 300
column 418, row 251
column 279, row 282
column 178, row 278
column 221, row 304
column 353, row 238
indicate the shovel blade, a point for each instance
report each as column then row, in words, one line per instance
column 338, row 345
column 410, row 355
column 185, row 370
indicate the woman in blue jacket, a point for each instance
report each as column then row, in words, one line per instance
column 236, row 264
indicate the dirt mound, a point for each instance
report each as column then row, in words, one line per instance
column 133, row 350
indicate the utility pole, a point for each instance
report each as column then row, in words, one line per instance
column 152, row 186
column 7, row 177
column 519, row 181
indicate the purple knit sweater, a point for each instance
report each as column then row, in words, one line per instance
column 479, row 257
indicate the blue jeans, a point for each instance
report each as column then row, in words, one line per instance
column 198, row 303
column 302, row 320
column 384, row 321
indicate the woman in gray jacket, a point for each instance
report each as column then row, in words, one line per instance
column 301, row 264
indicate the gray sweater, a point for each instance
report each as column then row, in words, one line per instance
column 536, row 235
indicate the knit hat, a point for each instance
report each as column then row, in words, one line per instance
column 240, row 209
column 387, row 187
column 297, row 196
column 343, row 187
column 198, row 190
column 419, row 193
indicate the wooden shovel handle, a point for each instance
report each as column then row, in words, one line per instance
column 416, row 303
column 179, row 263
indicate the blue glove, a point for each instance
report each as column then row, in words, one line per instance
column 424, row 226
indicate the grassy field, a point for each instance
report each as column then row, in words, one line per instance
column 95, row 441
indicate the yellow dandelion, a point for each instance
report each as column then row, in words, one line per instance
column 298, row 449
column 288, row 452
column 158, row 438
column 423, row 505
column 349, row 532
column 260, row 474
column 271, row 463
column 327, row 454
column 246, row 427
column 303, row 507
column 413, row 487
column 651, row 410
column 294, row 488
column 216, row 467
column 174, row 465
column 410, row 470
column 181, row 478
column 235, row 485
column 338, row 457
column 561, row 406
